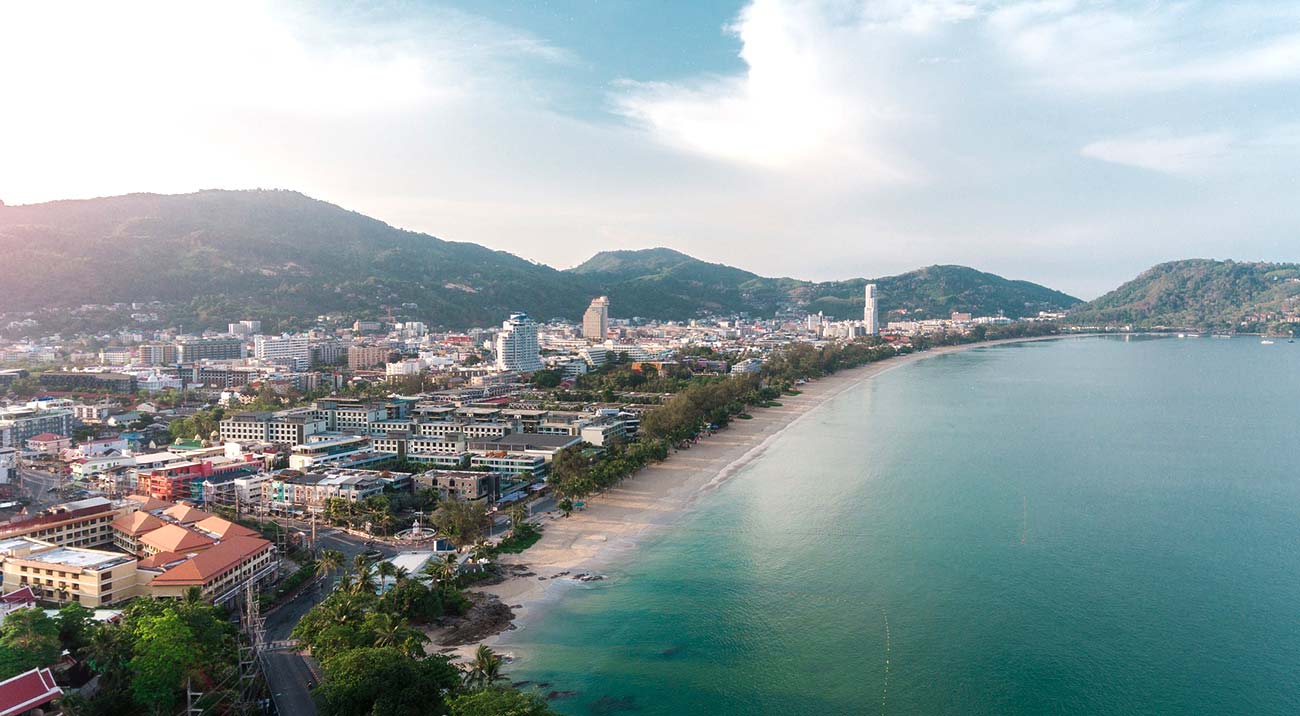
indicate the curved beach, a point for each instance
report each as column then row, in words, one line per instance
column 613, row 523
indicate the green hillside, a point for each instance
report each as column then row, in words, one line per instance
column 282, row 257
column 640, row 281
column 1202, row 294
column 275, row 255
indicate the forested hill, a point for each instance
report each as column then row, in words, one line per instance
column 280, row 256
column 639, row 281
column 1202, row 294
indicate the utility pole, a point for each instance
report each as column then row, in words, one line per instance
column 191, row 696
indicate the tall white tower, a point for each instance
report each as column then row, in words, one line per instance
column 870, row 314
column 517, row 345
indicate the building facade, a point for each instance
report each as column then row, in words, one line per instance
column 595, row 322
column 871, row 312
column 517, row 348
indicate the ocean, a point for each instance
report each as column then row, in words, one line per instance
column 1079, row 526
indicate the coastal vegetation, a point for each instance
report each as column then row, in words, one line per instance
column 1202, row 294
column 373, row 649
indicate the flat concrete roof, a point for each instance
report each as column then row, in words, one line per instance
column 79, row 558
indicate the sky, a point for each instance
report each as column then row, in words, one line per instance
column 1069, row 143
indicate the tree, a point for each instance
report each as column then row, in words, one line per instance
column 499, row 701
column 385, row 681
column 548, row 378
column 566, row 506
column 485, row 669
column 75, row 623
column 164, row 654
column 518, row 513
column 330, row 562
column 28, row 639
column 464, row 522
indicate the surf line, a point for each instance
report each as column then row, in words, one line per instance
column 884, row 690
column 1024, row 529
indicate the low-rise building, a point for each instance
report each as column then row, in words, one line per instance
column 82, row 523
column 461, row 484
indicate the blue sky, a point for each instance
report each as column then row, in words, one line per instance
column 1070, row 143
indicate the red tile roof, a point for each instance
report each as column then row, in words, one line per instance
column 207, row 565
column 27, row 691
column 46, row 437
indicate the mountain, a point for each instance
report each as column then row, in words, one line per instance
column 284, row 258
column 639, row 282
column 275, row 255
column 1203, row 294
column 664, row 282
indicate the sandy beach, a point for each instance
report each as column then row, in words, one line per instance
column 615, row 522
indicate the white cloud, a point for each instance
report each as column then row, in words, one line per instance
column 814, row 94
column 1160, row 151
column 1147, row 45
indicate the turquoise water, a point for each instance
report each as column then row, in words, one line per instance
column 1083, row 526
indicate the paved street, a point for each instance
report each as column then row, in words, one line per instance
column 287, row 674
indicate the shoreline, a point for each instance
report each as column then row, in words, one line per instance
column 615, row 522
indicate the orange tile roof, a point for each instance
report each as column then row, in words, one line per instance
column 185, row 514
column 149, row 503
column 137, row 523
column 174, row 538
column 160, row 560
column 206, row 566
column 223, row 528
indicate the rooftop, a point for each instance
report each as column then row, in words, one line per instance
column 80, row 558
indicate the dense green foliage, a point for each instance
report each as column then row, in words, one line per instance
column 373, row 654
column 1201, row 294
column 384, row 681
column 28, row 639
column 145, row 661
column 497, row 701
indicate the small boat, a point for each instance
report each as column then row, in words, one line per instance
column 1223, row 335
column 1266, row 342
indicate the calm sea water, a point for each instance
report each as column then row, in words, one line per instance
column 1083, row 526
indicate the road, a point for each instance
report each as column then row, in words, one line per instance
column 288, row 676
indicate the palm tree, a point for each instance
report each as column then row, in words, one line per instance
column 485, row 669
column 347, row 583
column 384, row 570
column 330, row 562
column 364, row 578
column 442, row 572
column 518, row 513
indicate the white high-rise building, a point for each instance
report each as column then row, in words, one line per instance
column 287, row 350
column 595, row 322
column 870, row 313
column 517, row 348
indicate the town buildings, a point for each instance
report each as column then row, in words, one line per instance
column 148, row 548
column 293, row 352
